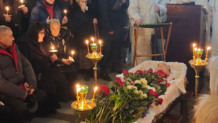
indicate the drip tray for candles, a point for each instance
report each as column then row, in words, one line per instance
column 83, row 106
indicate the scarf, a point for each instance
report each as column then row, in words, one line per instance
column 49, row 8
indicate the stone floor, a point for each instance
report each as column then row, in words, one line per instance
column 65, row 114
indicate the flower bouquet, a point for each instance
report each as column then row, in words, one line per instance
column 127, row 101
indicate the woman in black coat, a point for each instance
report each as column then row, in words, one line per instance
column 50, row 79
column 82, row 28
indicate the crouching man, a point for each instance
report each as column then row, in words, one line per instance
column 17, row 79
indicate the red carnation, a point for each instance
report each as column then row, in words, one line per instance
column 150, row 70
column 138, row 72
column 160, row 72
column 160, row 80
column 155, row 94
column 168, row 84
column 151, row 92
column 160, row 101
column 104, row 89
column 118, row 80
column 125, row 72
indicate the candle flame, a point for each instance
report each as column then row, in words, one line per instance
column 73, row 52
column 65, row 11
column 87, row 42
column 21, row 1
column 78, row 90
column 92, row 39
column 100, row 42
column 199, row 49
column 77, row 85
column 7, row 8
column 52, row 47
column 196, row 49
column 96, row 88
column 208, row 48
column 194, row 45
column 83, row 88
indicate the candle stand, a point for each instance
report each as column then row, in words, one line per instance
column 94, row 57
column 83, row 105
column 197, row 68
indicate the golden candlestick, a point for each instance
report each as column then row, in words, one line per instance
column 197, row 68
column 94, row 57
column 82, row 105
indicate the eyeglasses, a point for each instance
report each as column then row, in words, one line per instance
column 42, row 33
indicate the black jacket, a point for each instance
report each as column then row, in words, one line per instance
column 82, row 26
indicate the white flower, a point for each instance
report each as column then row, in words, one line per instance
column 144, row 82
column 138, row 82
column 145, row 95
column 152, row 88
column 131, row 87
column 136, row 91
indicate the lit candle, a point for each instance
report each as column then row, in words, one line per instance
column 100, row 45
column 93, row 40
column 96, row 88
column 7, row 9
column 77, row 95
column 72, row 52
column 65, row 12
column 21, row 1
column 194, row 45
column 208, row 48
column 87, row 42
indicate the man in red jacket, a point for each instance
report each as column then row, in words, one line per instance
column 17, row 78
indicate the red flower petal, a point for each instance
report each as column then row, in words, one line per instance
column 150, row 70
column 155, row 94
column 104, row 89
column 168, row 84
column 151, row 92
column 125, row 72
column 160, row 101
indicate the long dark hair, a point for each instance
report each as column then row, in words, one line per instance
column 34, row 30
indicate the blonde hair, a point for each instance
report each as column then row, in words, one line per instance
column 55, row 21
column 206, row 110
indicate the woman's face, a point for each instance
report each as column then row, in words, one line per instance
column 41, row 35
column 55, row 29
column 82, row 4
column 50, row 1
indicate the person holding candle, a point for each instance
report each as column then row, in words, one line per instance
column 60, row 39
column 20, row 12
column 50, row 79
column 82, row 28
column 46, row 10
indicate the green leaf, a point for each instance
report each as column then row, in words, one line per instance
column 111, row 92
column 110, row 84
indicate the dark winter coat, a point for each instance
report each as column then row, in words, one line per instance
column 40, row 14
column 82, row 26
column 15, row 69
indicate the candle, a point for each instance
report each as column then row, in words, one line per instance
column 72, row 52
column 65, row 12
column 87, row 42
column 7, row 9
column 96, row 88
column 93, row 40
column 208, row 48
column 21, row 1
column 194, row 45
column 77, row 91
column 100, row 45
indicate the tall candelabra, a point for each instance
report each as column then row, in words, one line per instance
column 94, row 56
column 198, row 64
